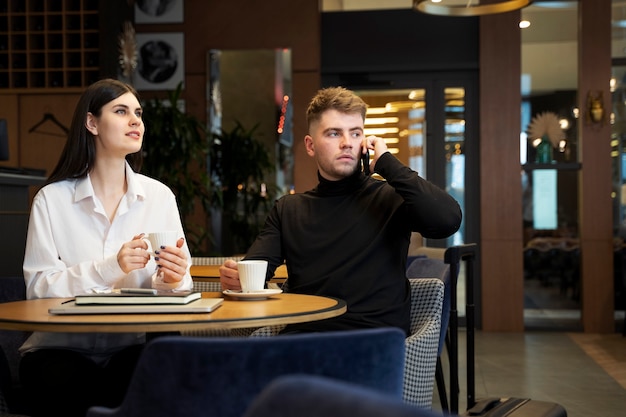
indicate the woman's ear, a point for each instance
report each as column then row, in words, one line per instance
column 308, row 144
column 90, row 124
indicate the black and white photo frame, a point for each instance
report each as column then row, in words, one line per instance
column 160, row 61
column 159, row 11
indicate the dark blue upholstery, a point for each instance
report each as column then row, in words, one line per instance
column 11, row 289
column 314, row 396
column 186, row 376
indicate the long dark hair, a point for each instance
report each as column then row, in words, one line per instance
column 79, row 153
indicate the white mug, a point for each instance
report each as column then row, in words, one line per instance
column 164, row 238
column 252, row 275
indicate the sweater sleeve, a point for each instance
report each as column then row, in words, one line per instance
column 267, row 245
column 432, row 211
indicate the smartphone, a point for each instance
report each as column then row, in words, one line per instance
column 365, row 162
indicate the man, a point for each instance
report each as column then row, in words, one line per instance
column 348, row 237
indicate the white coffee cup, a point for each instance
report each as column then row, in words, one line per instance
column 252, row 275
column 164, row 238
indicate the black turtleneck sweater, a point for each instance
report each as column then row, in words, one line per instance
column 349, row 239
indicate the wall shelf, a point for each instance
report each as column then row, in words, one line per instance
column 48, row 44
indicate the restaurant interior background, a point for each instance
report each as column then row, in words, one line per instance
column 440, row 137
column 425, row 126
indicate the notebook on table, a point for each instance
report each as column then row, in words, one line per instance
column 203, row 305
column 138, row 296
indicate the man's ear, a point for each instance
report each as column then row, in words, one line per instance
column 308, row 144
column 90, row 124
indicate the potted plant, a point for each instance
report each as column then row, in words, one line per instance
column 176, row 146
column 239, row 165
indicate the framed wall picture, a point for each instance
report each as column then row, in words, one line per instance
column 160, row 61
column 159, row 11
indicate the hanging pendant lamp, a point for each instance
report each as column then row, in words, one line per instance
column 469, row 9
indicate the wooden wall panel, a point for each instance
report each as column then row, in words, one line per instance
column 502, row 295
column 42, row 147
column 500, row 183
column 596, row 208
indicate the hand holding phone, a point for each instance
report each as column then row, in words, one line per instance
column 365, row 162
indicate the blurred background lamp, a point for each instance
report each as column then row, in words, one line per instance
column 468, row 7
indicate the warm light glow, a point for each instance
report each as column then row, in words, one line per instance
column 613, row 84
column 536, row 142
column 391, row 140
column 395, row 106
column 407, row 132
column 523, row 24
column 376, row 110
column 564, row 123
column 416, row 95
column 381, row 120
column 377, row 131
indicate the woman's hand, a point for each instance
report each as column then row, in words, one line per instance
column 132, row 255
column 172, row 262
column 229, row 276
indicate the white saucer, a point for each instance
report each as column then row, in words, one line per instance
column 255, row 295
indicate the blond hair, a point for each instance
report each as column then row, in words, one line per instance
column 334, row 98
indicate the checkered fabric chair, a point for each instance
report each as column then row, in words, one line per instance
column 422, row 344
column 204, row 286
column 427, row 267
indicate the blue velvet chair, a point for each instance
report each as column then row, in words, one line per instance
column 315, row 396
column 190, row 376
column 421, row 346
column 11, row 393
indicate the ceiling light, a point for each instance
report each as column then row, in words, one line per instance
column 523, row 24
column 376, row 110
column 381, row 120
column 469, row 9
column 379, row 131
column 395, row 106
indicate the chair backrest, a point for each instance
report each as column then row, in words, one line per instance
column 421, row 346
column 181, row 376
column 425, row 267
column 314, row 396
column 207, row 286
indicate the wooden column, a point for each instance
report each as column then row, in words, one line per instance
column 502, row 268
column 596, row 210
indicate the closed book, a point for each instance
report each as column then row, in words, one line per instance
column 118, row 297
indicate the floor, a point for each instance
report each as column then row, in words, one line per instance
column 584, row 373
column 553, row 360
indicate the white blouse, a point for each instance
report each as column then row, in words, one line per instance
column 72, row 247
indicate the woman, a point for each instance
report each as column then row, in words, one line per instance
column 85, row 235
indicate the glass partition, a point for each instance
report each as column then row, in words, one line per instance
column 249, row 111
column 550, row 166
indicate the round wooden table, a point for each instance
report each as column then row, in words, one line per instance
column 32, row 315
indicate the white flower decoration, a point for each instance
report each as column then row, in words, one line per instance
column 546, row 124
